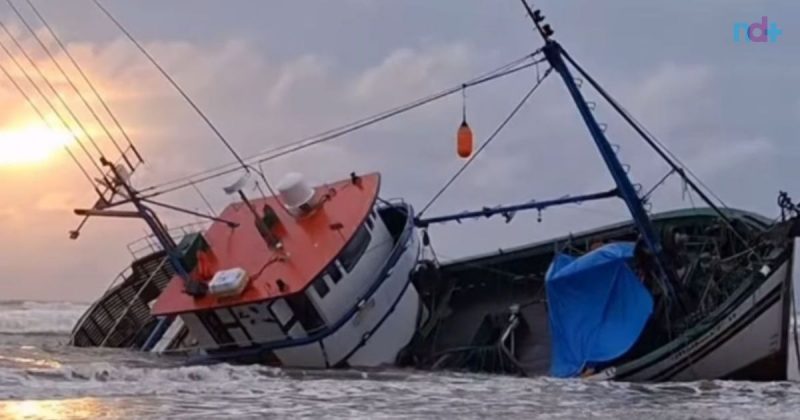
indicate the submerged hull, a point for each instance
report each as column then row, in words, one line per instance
column 360, row 309
column 370, row 333
column 489, row 314
column 745, row 336
column 749, row 342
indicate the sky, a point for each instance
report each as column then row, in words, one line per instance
column 269, row 72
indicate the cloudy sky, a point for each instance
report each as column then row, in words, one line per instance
column 268, row 72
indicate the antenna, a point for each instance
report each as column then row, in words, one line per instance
column 668, row 279
column 536, row 16
column 122, row 187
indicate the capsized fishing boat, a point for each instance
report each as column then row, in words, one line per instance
column 335, row 276
column 496, row 312
column 324, row 281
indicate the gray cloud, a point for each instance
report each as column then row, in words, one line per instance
column 265, row 83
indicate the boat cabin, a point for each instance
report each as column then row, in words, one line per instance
column 296, row 270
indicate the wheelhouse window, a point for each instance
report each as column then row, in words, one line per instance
column 334, row 272
column 321, row 287
column 305, row 312
column 355, row 249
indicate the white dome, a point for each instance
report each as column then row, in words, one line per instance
column 294, row 191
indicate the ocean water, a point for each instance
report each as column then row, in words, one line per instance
column 42, row 378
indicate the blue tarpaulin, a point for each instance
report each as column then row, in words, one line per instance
column 597, row 307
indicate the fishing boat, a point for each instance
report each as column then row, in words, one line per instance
column 323, row 281
column 497, row 308
column 333, row 275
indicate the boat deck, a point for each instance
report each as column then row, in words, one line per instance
column 310, row 244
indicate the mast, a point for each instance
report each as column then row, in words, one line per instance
column 122, row 187
column 554, row 54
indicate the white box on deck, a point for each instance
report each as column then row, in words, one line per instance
column 228, row 282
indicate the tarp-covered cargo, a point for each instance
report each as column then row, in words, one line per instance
column 597, row 307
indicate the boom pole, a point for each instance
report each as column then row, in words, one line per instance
column 554, row 54
column 191, row 286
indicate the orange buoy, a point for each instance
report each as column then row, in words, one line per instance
column 464, row 140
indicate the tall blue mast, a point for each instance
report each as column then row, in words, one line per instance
column 625, row 188
column 553, row 52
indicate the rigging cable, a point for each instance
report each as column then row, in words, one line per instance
column 66, row 77
column 39, row 112
column 338, row 132
column 686, row 192
column 674, row 157
column 44, row 97
column 794, row 330
column 679, row 167
column 485, row 143
column 652, row 141
column 504, row 70
column 174, row 85
column 88, row 81
column 361, row 123
column 488, row 76
column 264, row 177
column 663, row 179
column 211, row 211
column 47, row 81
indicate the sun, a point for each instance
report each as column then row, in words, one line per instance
column 30, row 144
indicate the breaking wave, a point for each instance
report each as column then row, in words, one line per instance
column 252, row 391
column 31, row 317
column 40, row 376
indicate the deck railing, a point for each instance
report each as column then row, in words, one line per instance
column 120, row 277
column 148, row 244
column 129, row 304
column 121, row 298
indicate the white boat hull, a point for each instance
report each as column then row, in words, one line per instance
column 366, row 329
column 751, row 341
column 373, row 336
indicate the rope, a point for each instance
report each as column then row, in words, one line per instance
column 174, row 85
column 338, row 132
column 674, row 157
column 266, row 182
column 41, row 74
column 44, row 97
column 85, row 79
column 663, row 152
column 132, row 301
column 211, row 211
column 658, row 184
column 39, row 112
column 688, row 192
column 504, row 70
column 794, row 327
column 485, row 143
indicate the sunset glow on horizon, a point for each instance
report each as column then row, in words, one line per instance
column 30, row 144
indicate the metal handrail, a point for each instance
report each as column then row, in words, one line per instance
column 137, row 249
column 514, row 320
column 130, row 303
column 150, row 248
column 124, row 274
